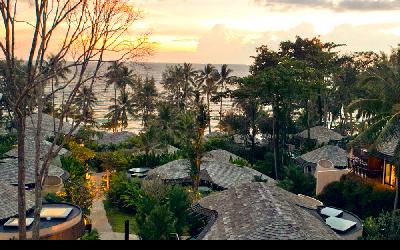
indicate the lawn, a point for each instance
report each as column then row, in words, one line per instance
column 117, row 219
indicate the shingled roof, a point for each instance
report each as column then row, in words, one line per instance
column 9, row 171
column 30, row 149
column 114, row 138
column 47, row 125
column 224, row 175
column 334, row 154
column 261, row 211
column 321, row 135
column 221, row 156
column 9, row 201
column 389, row 146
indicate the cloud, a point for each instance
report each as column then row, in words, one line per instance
column 335, row 5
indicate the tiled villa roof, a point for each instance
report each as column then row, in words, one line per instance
column 334, row 154
column 114, row 138
column 321, row 135
column 9, row 201
column 47, row 125
column 9, row 171
column 261, row 211
column 388, row 147
column 30, row 149
column 221, row 156
column 222, row 174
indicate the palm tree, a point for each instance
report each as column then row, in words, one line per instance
column 56, row 70
column 382, row 109
column 120, row 76
column 85, row 101
column 166, row 119
column 189, row 75
column 119, row 112
column 172, row 79
column 207, row 83
column 225, row 78
column 144, row 97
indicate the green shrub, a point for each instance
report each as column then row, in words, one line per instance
column 155, row 221
column 179, row 204
column 297, row 182
column 74, row 167
column 52, row 198
column 384, row 227
column 124, row 194
column 356, row 196
column 7, row 142
column 266, row 166
column 92, row 236
column 239, row 162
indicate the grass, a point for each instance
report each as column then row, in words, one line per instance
column 117, row 219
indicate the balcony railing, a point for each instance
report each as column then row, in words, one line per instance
column 360, row 167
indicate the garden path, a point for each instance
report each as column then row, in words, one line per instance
column 99, row 216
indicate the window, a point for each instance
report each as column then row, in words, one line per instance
column 390, row 175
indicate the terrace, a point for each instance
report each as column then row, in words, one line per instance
column 58, row 222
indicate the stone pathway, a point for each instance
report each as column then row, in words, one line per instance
column 99, row 217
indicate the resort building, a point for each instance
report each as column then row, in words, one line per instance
column 328, row 164
column 377, row 165
column 263, row 211
column 336, row 155
column 58, row 221
column 217, row 174
column 321, row 135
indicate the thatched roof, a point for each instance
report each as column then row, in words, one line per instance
column 388, row 147
column 9, row 171
column 261, row 211
column 221, row 156
column 224, row 175
column 47, row 125
column 321, row 135
column 114, row 138
column 9, row 201
column 30, row 149
column 334, row 154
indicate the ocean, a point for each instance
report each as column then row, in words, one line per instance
column 151, row 70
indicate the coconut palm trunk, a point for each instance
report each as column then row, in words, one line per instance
column 209, row 112
column 220, row 109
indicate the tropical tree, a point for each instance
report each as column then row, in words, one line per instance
column 145, row 97
column 166, row 119
column 120, row 111
column 382, row 108
column 172, row 81
column 85, row 101
column 120, row 76
column 189, row 76
column 224, row 80
column 207, row 79
column 55, row 70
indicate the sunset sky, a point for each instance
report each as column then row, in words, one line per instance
column 228, row 31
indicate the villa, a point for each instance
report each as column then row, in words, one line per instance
column 377, row 165
column 263, row 211
column 58, row 221
column 321, row 135
column 220, row 175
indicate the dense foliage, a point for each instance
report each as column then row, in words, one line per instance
column 384, row 227
column 297, row 182
column 7, row 142
column 356, row 196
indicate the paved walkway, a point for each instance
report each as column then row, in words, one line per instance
column 99, row 217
